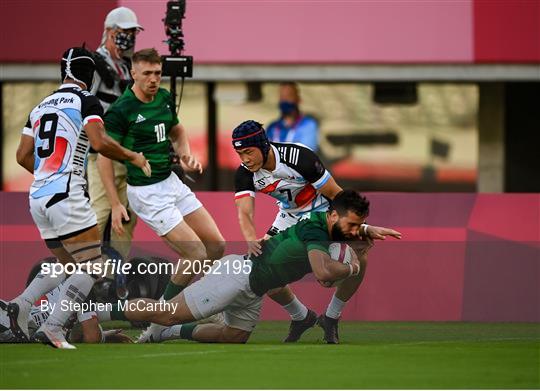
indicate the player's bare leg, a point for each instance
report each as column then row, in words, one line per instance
column 177, row 322
column 160, row 313
column 83, row 248
column 219, row 333
column 165, row 314
column 330, row 319
column 302, row 318
column 204, row 226
column 282, row 296
column 187, row 244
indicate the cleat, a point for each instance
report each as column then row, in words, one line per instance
column 53, row 336
column 4, row 319
column 298, row 327
column 330, row 327
column 152, row 334
column 6, row 336
column 18, row 321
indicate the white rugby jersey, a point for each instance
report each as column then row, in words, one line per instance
column 295, row 182
column 60, row 142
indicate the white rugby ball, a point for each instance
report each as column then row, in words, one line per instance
column 339, row 252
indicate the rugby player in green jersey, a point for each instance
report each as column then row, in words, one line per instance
column 237, row 291
column 144, row 119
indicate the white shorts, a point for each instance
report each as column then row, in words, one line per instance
column 60, row 215
column 227, row 292
column 285, row 220
column 163, row 205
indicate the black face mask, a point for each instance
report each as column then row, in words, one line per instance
column 124, row 41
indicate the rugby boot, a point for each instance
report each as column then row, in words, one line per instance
column 53, row 335
column 17, row 311
column 330, row 327
column 298, row 327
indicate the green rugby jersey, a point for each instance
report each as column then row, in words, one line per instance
column 284, row 257
column 143, row 127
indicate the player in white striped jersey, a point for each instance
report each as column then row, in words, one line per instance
column 53, row 146
column 295, row 176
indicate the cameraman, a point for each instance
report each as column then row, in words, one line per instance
column 113, row 65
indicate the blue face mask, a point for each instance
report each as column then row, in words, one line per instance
column 287, row 108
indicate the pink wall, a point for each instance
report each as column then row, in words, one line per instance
column 318, row 32
column 463, row 256
column 296, row 31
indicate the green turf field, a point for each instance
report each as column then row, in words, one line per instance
column 372, row 355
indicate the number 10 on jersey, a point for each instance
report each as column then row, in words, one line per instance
column 160, row 132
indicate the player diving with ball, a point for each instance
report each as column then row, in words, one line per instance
column 284, row 258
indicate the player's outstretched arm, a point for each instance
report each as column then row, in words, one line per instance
column 92, row 333
column 180, row 143
column 119, row 212
column 380, row 233
column 108, row 147
column 25, row 153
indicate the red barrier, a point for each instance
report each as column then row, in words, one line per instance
column 463, row 256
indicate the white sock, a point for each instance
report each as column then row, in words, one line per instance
column 335, row 307
column 74, row 291
column 296, row 309
column 41, row 284
column 171, row 333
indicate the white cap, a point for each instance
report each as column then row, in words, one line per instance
column 122, row 17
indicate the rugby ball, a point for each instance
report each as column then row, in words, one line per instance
column 339, row 252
